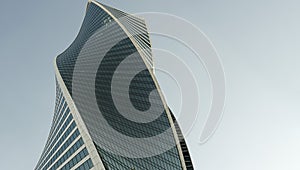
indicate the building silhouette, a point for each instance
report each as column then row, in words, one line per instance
column 110, row 112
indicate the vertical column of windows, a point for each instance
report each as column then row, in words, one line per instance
column 60, row 122
column 60, row 151
column 60, row 138
column 69, row 153
column 50, row 136
column 58, row 113
column 81, row 155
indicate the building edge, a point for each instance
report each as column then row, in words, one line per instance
column 93, row 154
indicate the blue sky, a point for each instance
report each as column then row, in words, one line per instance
column 258, row 43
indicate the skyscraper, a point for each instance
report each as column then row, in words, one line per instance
column 110, row 112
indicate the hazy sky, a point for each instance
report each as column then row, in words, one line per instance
column 258, row 42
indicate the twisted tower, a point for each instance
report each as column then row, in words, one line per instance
column 110, row 112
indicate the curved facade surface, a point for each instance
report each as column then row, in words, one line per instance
column 110, row 112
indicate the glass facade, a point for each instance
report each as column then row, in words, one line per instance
column 108, row 73
column 64, row 138
column 88, row 164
